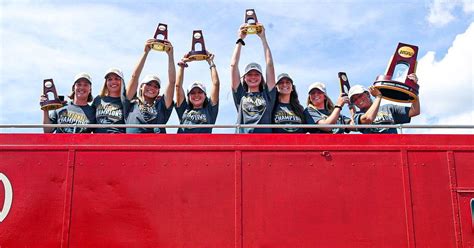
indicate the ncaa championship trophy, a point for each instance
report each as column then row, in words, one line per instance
column 161, row 44
column 194, row 54
column 251, row 20
column 51, row 104
column 344, row 83
column 395, row 85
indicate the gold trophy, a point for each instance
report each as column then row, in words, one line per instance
column 161, row 44
column 395, row 85
column 251, row 20
column 194, row 54
column 344, row 83
column 51, row 104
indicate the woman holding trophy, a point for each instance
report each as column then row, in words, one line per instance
column 321, row 110
column 198, row 108
column 148, row 107
column 78, row 111
column 254, row 96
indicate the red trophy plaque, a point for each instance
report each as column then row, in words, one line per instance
column 194, row 54
column 395, row 85
column 50, row 104
column 161, row 44
column 251, row 20
column 344, row 83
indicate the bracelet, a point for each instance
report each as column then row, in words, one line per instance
column 182, row 64
column 240, row 41
column 337, row 106
column 213, row 65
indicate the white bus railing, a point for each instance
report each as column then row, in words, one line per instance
column 399, row 127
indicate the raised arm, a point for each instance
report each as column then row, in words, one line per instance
column 46, row 119
column 171, row 78
column 179, row 91
column 215, row 80
column 234, row 63
column 133, row 83
column 415, row 106
column 369, row 116
column 270, row 68
column 332, row 118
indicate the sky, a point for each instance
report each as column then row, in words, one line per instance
column 310, row 40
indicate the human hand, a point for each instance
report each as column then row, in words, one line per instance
column 375, row 92
column 242, row 32
column 413, row 77
column 342, row 99
column 148, row 45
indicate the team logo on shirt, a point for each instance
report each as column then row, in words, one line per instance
column 109, row 111
column 253, row 107
column 194, row 117
column 71, row 117
column 284, row 115
column 149, row 112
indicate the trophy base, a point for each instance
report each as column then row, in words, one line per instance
column 396, row 91
column 198, row 56
column 51, row 105
column 160, row 46
column 254, row 28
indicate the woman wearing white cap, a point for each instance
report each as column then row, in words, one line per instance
column 321, row 110
column 288, row 109
column 198, row 108
column 112, row 104
column 253, row 98
column 372, row 113
column 76, row 112
column 149, row 107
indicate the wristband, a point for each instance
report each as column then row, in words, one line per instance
column 337, row 106
column 213, row 65
column 240, row 41
column 182, row 64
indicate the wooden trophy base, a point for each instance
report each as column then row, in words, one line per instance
column 396, row 91
column 51, row 105
column 198, row 55
column 160, row 46
column 254, row 28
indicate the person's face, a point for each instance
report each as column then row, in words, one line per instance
column 253, row 79
column 317, row 97
column 113, row 83
column 362, row 101
column 151, row 90
column 82, row 89
column 284, row 86
column 196, row 97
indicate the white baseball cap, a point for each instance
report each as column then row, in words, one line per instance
column 284, row 75
column 355, row 90
column 197, row 85
column 253, row 66
column 318, row 85
column 82, row 75
column 115, row 71
column 149, row 78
